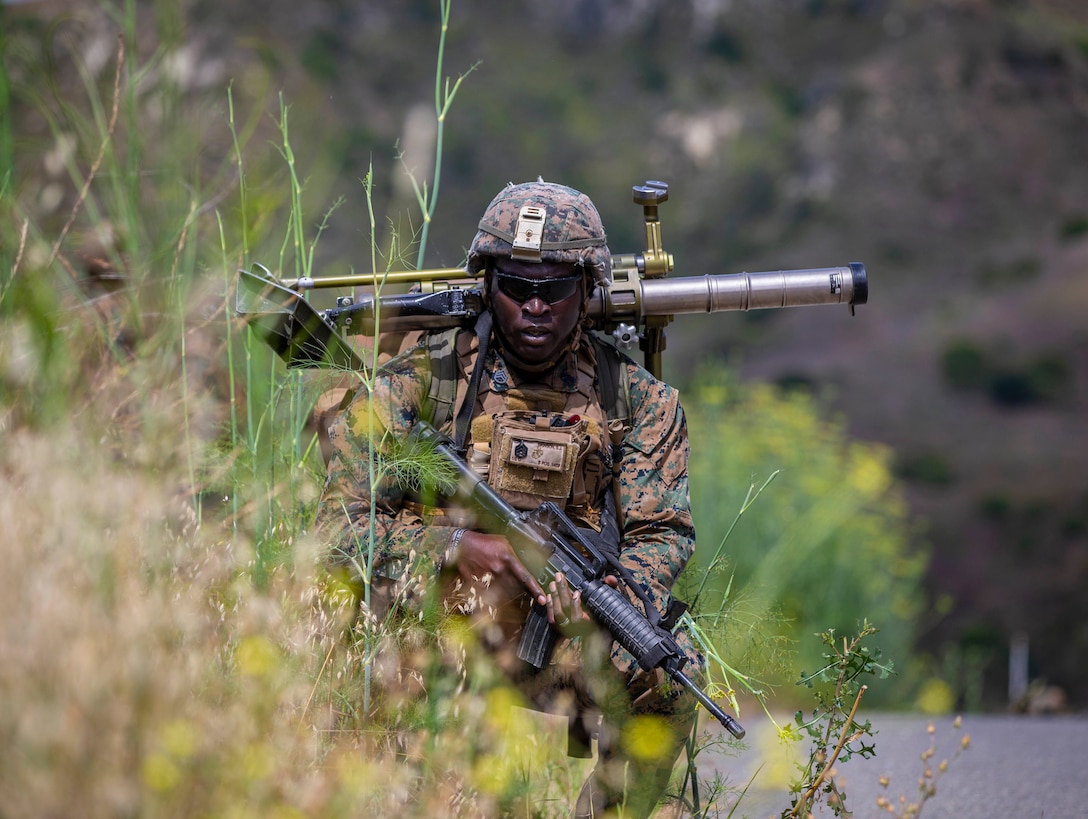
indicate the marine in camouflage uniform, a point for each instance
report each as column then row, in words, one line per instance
column 541, row 381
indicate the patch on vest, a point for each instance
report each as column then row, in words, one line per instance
column 538, row 452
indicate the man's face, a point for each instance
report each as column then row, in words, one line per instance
column 536, row 306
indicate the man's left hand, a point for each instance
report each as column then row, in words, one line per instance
column 565, row 610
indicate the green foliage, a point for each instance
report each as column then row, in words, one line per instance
column 811, row 535
column 758, row 649
column 833, row 729
column 1074, row 227
column 964, row 365
column 726, row 44
column 925, row 467
column 1008, row 380
column 1009, row 272
column 415, row 464
column 323, row 54
column 828, row 543
column 159, row 574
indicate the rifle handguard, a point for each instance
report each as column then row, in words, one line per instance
column 629, row 626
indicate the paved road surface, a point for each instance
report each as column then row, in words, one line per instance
column 1017, row 767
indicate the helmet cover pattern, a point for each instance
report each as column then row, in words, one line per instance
column 572, row 230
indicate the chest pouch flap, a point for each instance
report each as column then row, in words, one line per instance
column 533, row 460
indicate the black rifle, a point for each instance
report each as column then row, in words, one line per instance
column 549, row 543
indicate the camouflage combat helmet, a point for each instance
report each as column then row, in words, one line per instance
column 542, row 221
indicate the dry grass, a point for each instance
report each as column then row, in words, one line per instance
column 144, row 670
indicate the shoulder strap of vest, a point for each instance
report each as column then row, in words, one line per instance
column 442, row 349
column 615, row 390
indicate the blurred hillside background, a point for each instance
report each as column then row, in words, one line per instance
column 943, row 143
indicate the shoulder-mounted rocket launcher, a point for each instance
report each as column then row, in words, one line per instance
column 636, row 308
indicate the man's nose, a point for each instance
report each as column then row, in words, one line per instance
column 535, row 306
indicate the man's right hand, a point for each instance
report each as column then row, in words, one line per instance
column 488, row 563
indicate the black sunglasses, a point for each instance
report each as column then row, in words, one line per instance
column 549, row 290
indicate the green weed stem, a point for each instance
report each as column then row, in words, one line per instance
column 107, row 138
column 806, row 799
column 749, row 499
column 442, row 104
column 242, row 192
column 232, row 399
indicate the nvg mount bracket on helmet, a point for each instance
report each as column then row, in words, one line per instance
column 529, row 234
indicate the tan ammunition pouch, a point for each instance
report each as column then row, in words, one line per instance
column 532, row 460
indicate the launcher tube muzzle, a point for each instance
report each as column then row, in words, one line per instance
column 735, row 291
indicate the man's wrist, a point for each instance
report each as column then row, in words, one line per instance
column 452, row 550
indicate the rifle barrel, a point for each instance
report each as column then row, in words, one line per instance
column 727, row 721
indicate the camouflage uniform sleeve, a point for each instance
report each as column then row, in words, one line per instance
column 658, row 532
column 406, row 553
